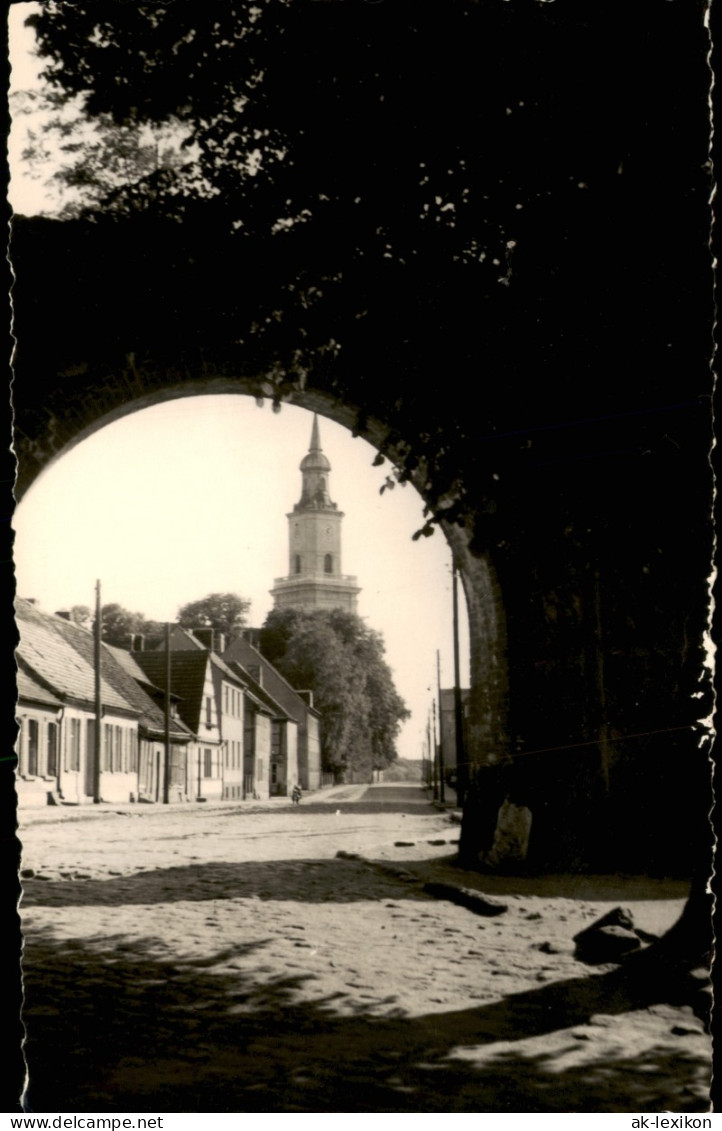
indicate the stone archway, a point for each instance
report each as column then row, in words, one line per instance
column 102, row 401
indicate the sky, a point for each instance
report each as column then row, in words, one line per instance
column 190, row 497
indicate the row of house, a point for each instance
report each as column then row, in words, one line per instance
column 195, row 721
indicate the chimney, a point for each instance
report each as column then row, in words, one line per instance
column 209, row 638
column 205, row 635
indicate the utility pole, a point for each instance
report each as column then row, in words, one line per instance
column 98, row 735
column 432, row 761
column 442, row 760
column 166, row 759
column 439, row 756
column 462, row 765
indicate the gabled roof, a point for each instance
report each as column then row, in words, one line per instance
column 259, row 693
column 32, row 692
column 243, row 652
column 184, row 640
column 181, row 639
column 53, row 662
column 220, row 664
column 187, row 679
column 153, row 717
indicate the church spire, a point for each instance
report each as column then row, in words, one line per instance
column 315, row 445
column 315, row 467
column 314, row 579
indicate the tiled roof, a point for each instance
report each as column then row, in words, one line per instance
column 128, row 661
column 30, row 690
column 181, row 639
column 274, row 683
column 219, row 663
column 259, row 693
column 153, row 717
column 58, row 665
column 188, row 674
column 184, row 640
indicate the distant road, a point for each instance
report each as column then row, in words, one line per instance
column 397, row 797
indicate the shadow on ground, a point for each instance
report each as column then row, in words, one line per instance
column 325, row 880
column 598, row 888
column 304, row 881
column 113, row 1028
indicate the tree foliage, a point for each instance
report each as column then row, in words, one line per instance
column 81, row 615
column 223, row 612
column 434, row 185
column 334, row 654
column 88, row 164
column 119, row 625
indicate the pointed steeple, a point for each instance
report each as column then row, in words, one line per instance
column 315, row 468
column 314, row 579
column 315, row 445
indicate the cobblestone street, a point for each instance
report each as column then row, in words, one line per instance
column 259, row 958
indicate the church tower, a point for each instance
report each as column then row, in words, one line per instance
column 314, row 578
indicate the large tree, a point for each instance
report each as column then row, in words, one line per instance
column 347, row 196
column 223, row 612
column 336, row 655
column 120, row 625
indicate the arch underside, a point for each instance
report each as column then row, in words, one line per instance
column 552, row 559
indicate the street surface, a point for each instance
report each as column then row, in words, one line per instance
column 264, row 957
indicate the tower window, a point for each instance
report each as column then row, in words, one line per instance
column 296, row 563
column 328, row 563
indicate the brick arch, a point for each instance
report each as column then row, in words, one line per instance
column 42, row 437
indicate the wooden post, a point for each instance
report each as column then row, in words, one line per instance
column 166, row 759
column 439, row 755
column 98, row 736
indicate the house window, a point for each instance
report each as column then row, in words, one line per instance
column 73, row 756
column 207, row 762
column 32, row 747
column 133, row 766
column 119, row 750
column 107, row 762
column 328, row 563
column 209, row 715
column 225, row 698
column 51, row 762
column 297, row 563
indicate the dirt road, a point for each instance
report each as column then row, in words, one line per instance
column 229, row 959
